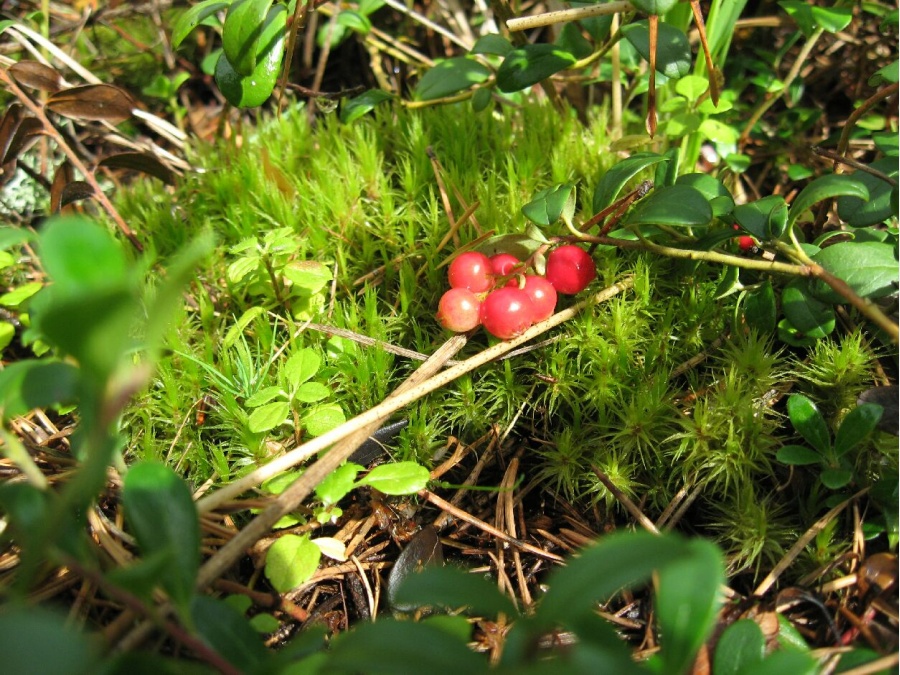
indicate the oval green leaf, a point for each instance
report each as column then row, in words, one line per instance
column 674, row 205
column 869, row 268
column 399, row 478
column 449, row 77
column 451, row 587
column 673, row 51
column 550, row 203
column 760, row 218
column 338, row 483
column 358, row 106
column 658, row 7
column 760, row 311
column 248, row 91
column 835, row 479
column 859, row 423
column 302, row 365
column 609, row 187
column 310, row 392
column 807, row 314
column 193, row 17
column 798, row 455
column 826, row 187
column 323, row 418
column 809, row 423
column 269, row 416
column 528, row 65
column 740, row 647
column 160, row 511
column 290, row 561
column 226, row 629
column 242, row 33
column 857, row 212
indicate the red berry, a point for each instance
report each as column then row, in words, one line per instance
column 471, row 270
column 459, row 310
column 542, row 294
column 507, row 312
column 570, row 269
column 746, row 242
column 504, row 264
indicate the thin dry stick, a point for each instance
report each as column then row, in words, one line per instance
column 490, row 529
column 391, row 405
column 575, row 14
column 629, row 505
column 807, row 537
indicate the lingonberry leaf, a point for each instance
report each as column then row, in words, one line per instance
column 96, row 102
column 193, row 17
column 358, row 106
column 242, row 32
column 453, row 588
column 252, row 89
column 674, row 205
column 673, row 51
column 807, row 314
column 612, row 182
column 224, row 628
column 835, row 479
column 798, row 455
column 869, row 268
column 451, row 76
column 528, row 65
column 809, row 423
column 659, row 7
column 760, row 310
column 762, row 217
column 290, row 561
column 492, row 44
column 826, row 187
column 858, row 212
column 398, row 478
column 741, row 646
column 550, row 203
column 858, row 424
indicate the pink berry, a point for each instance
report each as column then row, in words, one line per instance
column 542, row 294
column 507, row 312
column 471, row 270
column 459, row 310
column 570, row 269
column 504, row 264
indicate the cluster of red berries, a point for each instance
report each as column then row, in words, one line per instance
column 499, row 293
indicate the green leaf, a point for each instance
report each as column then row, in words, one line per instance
column 29, row 631
column 242, row 267
column 449, row 77
column 741, row 645
column 609, row 187
column 826, row 187
column 720, row 199
column 310, row 392
column 228, row 632
column 809, row 423
column 687, row 603
column 571, row 39
column 492, row 44
column 785, row 662
column 481, row 99
column 242, row 33
column 858, row 424
column 857, row 212
column 888, row 74
column 835, row 479
column 355, row 21
column 764, row 218
column 399, row 478
column 193, row 17
column 869, row 268
column 393, row 647
column 263, row 396
column 249, row 91
column 291, row 561
column 798, row 455
column 235, row 332
column 760, row 308
column 322, row 419
column 807, row 314
column 7, row 333
column 809, row 17
column 13, row 236
column 673, row 51
column 302, row 365
column 308, row 275
column 358, row 106
column 549, row 204
column 719, row 132
column 658, row 7
column 528, row 65
column 17, row 296
column 264, row 623
column 674, row 205
column 29, row 384
column 105, row 267
column 692, row 87
column 618, row 561
column 160, row 511
column 452, row 588
column 269, row 416
column 338, row 483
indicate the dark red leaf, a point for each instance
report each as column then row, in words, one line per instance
column 99, row 102
column 140, row 161
column 36, row 75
